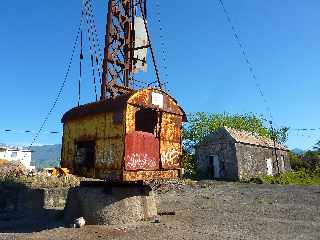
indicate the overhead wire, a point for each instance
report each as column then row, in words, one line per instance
column 92, row 44
column 44, row 122
column 26, row 131
column 246, row 59
column 97, row 45
column 81, row 60
column 162, row 43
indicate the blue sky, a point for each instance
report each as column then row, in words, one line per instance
column 205, row 67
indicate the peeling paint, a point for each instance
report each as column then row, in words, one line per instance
column 121, row 151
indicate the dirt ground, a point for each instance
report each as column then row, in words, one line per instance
column 197, row 210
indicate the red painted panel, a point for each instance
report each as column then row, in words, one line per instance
column 141, row 151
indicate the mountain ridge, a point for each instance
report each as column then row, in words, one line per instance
column 46, row 155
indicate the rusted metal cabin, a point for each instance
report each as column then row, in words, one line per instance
column 131, row 137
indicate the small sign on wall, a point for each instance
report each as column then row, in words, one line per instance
column 157, row 99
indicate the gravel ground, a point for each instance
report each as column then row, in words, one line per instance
column 202, row 210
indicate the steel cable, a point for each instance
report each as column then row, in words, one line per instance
column 246, row 59
column 44, row 122
column 163, row 45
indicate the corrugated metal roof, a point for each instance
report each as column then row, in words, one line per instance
column 252, row 138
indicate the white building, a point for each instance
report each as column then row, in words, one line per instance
column 17, row 154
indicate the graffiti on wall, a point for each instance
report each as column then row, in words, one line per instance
column 137, row 161
column 170, row 158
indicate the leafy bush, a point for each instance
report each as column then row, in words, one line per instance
column 301, row 177
column 188, row 162
column 312, row 158
column 296, row 162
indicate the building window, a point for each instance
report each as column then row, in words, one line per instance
column 269, row 167
column 282, row 168
column 85, row 156
column 146, row 120
column 14, row 155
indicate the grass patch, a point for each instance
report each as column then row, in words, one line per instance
column 300, row 177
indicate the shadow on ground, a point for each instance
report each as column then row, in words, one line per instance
column 22, row 210
column 31, row 222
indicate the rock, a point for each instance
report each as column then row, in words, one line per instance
column 157, row 220
column 79, row 222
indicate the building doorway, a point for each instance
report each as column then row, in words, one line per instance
column 214, row 167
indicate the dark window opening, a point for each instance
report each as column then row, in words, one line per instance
column 146, row 120
column 85, row 154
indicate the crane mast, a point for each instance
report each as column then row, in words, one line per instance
column 126, row 42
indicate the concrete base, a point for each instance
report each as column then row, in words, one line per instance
column 109, row 205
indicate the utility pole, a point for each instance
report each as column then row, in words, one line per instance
column 273, row 137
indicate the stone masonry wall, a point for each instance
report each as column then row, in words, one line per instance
column 226, row 155
column 252, row 160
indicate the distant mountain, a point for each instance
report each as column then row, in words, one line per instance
column 298, row 151
column 46, row 155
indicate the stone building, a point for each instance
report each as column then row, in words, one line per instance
column 238, row 155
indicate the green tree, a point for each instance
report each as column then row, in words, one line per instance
column 201, row 124
column 296, row 162
column 312, row 158
column 317, row 147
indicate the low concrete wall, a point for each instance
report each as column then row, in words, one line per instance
column 55, row 197
column 22, row 199
column 100, row 205
column 114, row 205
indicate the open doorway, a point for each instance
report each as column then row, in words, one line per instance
column 146, row 120
column 85, row 156
column 216, row 169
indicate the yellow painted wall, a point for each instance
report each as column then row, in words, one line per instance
column 109, row 139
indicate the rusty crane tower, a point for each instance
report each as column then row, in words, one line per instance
column 127, row 40
column 133, row 132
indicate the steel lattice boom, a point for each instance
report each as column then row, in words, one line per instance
column 126, row 42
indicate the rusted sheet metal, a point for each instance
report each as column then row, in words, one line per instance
column 130, row 119
column 108, row 105
column 130, row 176
column 145, row 98
column 170, row 141
column 111, row 125
column 170, row 155
column 141, row 151
column 171, row 128
column 141, row 98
